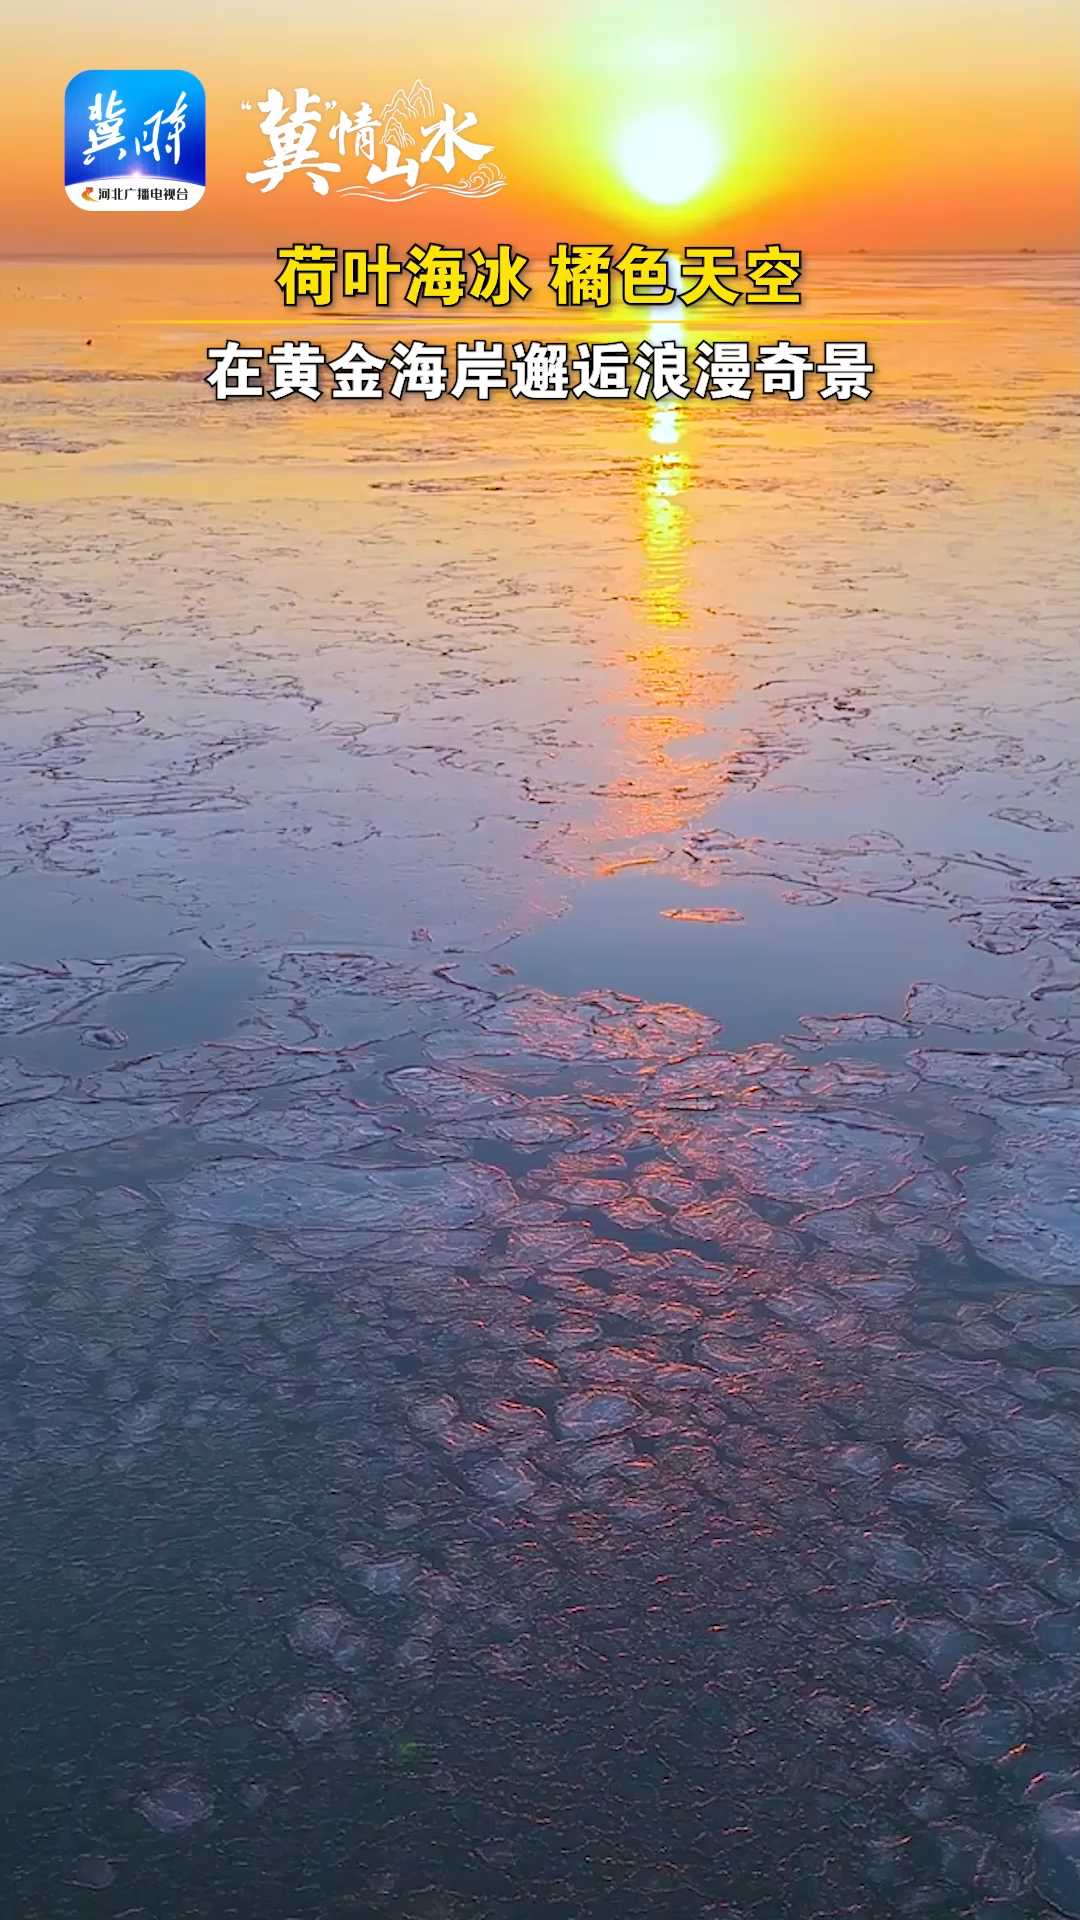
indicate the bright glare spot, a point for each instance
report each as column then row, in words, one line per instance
column 667, row 156
column 667, row 329
column 664, row 431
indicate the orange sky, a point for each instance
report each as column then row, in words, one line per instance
column 841, row 123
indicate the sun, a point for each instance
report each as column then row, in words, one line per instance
column 668, row 155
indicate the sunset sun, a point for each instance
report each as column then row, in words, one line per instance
column 668, row 155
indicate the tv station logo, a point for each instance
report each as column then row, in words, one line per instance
column 135, row 140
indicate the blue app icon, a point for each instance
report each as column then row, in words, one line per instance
column 135, row 140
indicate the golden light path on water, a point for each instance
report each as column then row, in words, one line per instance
column 659, row 791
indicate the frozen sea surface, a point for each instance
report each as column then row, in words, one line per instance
column 539, row 1023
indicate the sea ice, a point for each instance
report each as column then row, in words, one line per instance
column 32, row 997
column 390, row 1200
column 586, row 1416
column 1057, row 1856
column 176, row 1805
column 315, row 1715
column 317, row 1128
column 800, row 1158
column 1023, row 1201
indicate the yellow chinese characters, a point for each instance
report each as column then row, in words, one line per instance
column 581, row 274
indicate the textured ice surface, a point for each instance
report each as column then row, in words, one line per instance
column 393, row 1576
column 19, row 1083
column 320, row 1630
column 508, row 1482
column 1006, row 1076
column 1057, row 1857
column 681, row 1365
column 93, row 1870
column 66, row 1127
column 387, row 996
column 316, row 1715
column 392, row 1201
column 449, row 1096
column 730, row 1222
column 929, row 1005
column 806, row 1157
column 210, row 1069
column 327, row 1128
column 32, row 997
column 585, row 1416
column 176, row 1805
column 528, row 1033
column 988, row 1733
column 1022, row 1204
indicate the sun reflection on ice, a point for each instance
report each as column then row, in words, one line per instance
column 664, row 534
